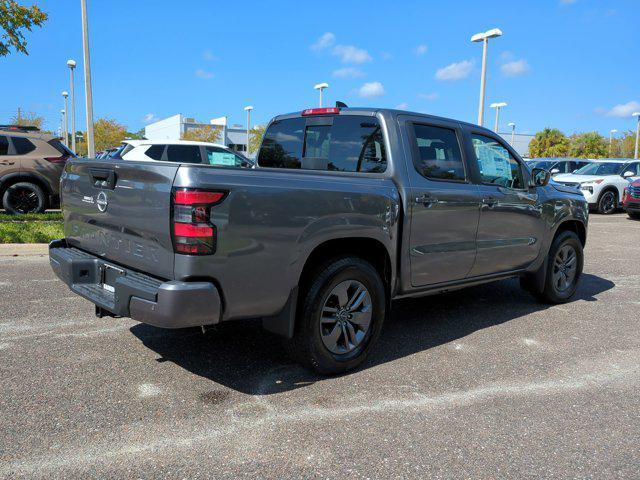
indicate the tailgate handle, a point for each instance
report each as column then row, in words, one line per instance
column 103, row 178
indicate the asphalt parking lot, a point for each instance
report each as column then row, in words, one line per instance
column 479, row 383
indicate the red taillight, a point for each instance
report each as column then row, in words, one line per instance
column 61, row 160
column 191, row 197
column 321, row 111
column 193, row 232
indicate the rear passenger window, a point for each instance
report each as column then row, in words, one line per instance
column 4, row 145
column 184, row 153
column 22, row 145
column 439, row 155
column 282, row 144
column 352, row 143
column 155, row 152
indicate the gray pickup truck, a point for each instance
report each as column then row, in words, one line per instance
column 348, row 209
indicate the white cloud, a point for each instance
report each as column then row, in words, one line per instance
column 326, row 40
column 371, row 89
column 455, row 71
column 428, row 96
column 421, row 50
column 351, row 54
column 348, row 72
column 402, row 106
column 204, row 74
column 150, row 118
column 209, row 56
column 515, row 68
column 506, row 56
column 623, row 110
column 386, row 56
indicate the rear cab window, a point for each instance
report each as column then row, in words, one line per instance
column 341, row 143
column 438, row 153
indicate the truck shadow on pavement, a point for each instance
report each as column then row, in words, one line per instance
column 241, row 356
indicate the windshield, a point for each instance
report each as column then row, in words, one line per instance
column 543, row 164
column 600, row 168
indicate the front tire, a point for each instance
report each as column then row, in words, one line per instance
column 564, row 268
column 24, row 197
column 608, row 202
column 340, row 317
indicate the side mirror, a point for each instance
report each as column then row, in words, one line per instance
column 628, row 174
column 554, row 171
column 540, row 177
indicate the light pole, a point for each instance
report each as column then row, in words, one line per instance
column 320, row 87
column 484, row 38
column 248, row 109
column 72, row 65
column 91, row 151
column 497, row 106
column 637, row 115
column 62, row 124
column 611, row 140
column 513, row 132
column 65, row 94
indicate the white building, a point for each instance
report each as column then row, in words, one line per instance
column 520, row 142
column 174, row 127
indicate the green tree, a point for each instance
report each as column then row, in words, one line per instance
column 139, row 135
column 14, row 18
column 28, row 119
column 549, row 142
column 108, row 133
column 255, row 138
column 203, row 133
column 588, row 145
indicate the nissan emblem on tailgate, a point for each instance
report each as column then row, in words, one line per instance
column 102, row 202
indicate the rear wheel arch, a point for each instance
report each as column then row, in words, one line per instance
column 13, row 178
column 369, row 249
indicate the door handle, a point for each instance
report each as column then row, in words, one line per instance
column 426, row 199
column 489, row 201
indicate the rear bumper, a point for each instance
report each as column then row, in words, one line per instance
column 127, row 293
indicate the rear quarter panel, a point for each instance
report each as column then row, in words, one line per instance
column 272, row 220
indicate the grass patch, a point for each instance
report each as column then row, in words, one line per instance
column 41, row 217
column 30, row 231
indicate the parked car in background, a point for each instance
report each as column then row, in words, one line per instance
column 631, row 200
column 348, row 210
column 557, row 166
column 183, row 151
column 602, row 182
column 30, row 166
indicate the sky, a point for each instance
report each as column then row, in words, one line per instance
column 569, row 64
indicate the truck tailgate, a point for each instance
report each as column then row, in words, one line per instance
column 121, row 211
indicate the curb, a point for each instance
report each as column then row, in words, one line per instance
column 23, row 249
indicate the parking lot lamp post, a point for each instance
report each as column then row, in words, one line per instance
column 72, row 65
column 637, row 115
column 497, row 106
column 513, row 132
column 248, row 109
column 62, row 124
column 611, row 133
column 65, row 94
column 91, row 151
column 484, row 38
column 320, row 87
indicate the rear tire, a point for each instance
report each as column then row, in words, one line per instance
column 564, row 268
column 608, row 202
column 24, row 197
column 340, row 316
